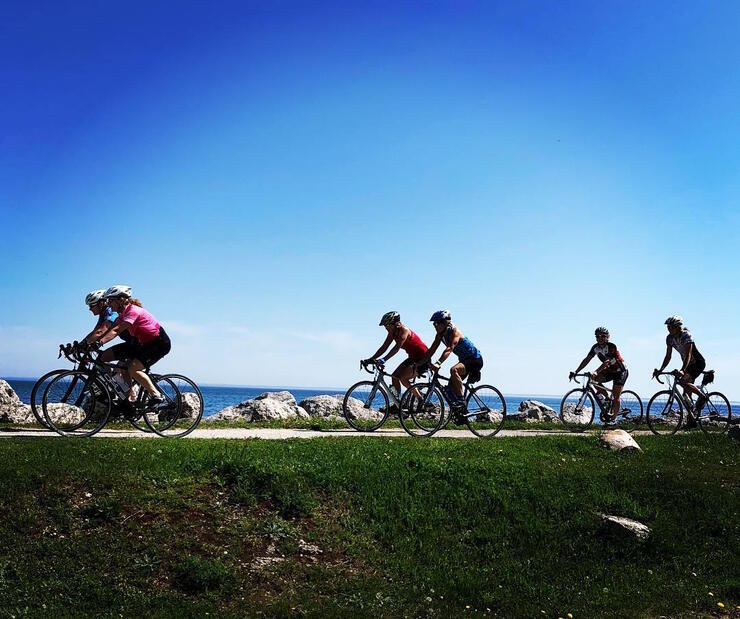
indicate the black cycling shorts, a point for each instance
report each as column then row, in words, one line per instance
column 473, row 366
column 695, row 368
column 406, row 363
column 148, row 353
column 619, row 376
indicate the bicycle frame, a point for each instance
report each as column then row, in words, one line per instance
column 681, row 394
column 588, row 388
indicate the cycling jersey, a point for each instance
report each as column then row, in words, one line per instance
column 142, row 325
column 681, row 344
column 609, row 354
column 414, row 347
column 465, row 350
column 107, row 315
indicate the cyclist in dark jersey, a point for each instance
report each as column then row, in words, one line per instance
column 405, row 339
column 693, row 363
column 97, row 304
column 612, row 368
column 470, row 361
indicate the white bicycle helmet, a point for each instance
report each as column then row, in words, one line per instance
column 440, row 316
column 674, row 321
column 118, row 291
column 96, row 296
column 389, row 318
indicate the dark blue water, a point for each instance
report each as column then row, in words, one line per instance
column 217, row 397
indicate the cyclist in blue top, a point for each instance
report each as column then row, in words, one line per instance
column 469, row 362
column 97, row 304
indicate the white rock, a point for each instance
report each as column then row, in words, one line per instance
column 533, row 411
column 619, row 440
column 12, row 410
column 639, row 530
column 266, row 406
column 572, row 417
column 190, row 404
column 324, row 405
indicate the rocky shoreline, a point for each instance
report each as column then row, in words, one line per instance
column 277, row 405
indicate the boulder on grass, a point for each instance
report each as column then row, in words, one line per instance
column 619, row 440
column 620, row 525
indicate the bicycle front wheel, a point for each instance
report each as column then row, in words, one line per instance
column 577, row 410
column 664, row 413
column 715, row 416
column 37, row 393
column 182, row 409
column 486, row 411
column 630, row 412
column 422, row 409
column 365, row 406
column 76, row 403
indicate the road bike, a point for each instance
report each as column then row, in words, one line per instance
column 80, row 402
column 482, row 409
column 666, row 408
column 578, row 407
column 368, row 404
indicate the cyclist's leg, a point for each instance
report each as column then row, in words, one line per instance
column 146, row 356
column 620, row 378
column 596, row 382
column 457, row 373
column 403, row 375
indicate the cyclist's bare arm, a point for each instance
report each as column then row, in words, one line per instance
column 666, row 360
column 383, row 347
column 585, row 362
column 110, row 334
column 98, row 332
column 456, row 337
column 399, row 342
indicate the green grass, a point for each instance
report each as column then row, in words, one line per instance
column 111, row 527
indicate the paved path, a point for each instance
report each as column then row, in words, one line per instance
column 282, row 433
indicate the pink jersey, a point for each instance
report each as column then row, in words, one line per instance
column 144, row 327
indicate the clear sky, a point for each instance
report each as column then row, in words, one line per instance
column 271, row 177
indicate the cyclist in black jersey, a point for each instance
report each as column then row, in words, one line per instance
column 612, row 368
column 693, row 363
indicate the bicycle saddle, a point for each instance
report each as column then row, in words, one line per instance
column 708, row 377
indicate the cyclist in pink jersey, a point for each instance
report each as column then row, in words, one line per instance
column 149, row 343
column 405, row 339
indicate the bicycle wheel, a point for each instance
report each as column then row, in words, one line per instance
column 664, row 413
column 38, row 391
column 182, row 409
column 76, row 403
column 630, row 412
column 715, row 416
column 577, row 410
column 486, row 411
column 422, row 410
column 365, row 406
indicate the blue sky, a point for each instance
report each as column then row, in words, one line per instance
column 273, row 177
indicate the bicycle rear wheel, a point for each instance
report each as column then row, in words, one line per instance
column 664, row 413
column 422, row 409
column 182, row 409
column 486, row 411
column 577, row 410
column 365, row 406
column 76, row 403
column 715, row 416
column 630, row 412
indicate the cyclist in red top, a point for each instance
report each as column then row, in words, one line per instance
column 612, row 368
column 405, row 339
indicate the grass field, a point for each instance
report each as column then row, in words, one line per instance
column 437, row 528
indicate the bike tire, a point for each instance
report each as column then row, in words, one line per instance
column 631, row 412
column 485, row 412
column 663, row 418
column 575, row 416
column 716, row 415
column 37, row 387
column 365, row 395
column 422, row 416
column 76, row 403
column 182, row 409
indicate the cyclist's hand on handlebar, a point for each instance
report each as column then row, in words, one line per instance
column 571, row 376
